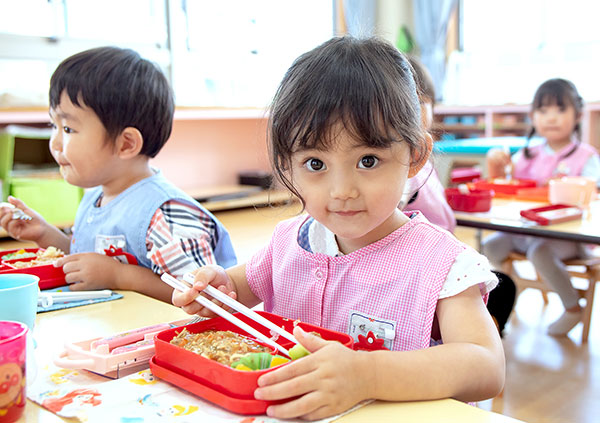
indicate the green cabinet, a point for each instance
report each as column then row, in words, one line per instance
column 28, row 172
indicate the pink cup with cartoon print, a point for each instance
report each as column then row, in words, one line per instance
column 13, row 343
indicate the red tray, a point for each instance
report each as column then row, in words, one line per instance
column 188, row 382
column 477, row 200
column 50, row 276
column 504, row 186
column 556, row 213
column 210, row 375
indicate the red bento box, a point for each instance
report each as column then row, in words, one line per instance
column 223, row 385
column 50, row 276
column 476, row 200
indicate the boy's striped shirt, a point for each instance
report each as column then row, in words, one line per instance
column 180, row 239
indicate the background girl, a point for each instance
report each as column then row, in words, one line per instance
column 345, row 134
column 556, row 111
column 424, row 191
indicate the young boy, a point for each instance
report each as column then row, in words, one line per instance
column 111, row 111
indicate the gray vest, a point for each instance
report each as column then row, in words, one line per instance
column 124, row 222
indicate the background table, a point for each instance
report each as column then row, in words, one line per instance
column 504, row 216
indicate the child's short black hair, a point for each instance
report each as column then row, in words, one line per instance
column 123, row 89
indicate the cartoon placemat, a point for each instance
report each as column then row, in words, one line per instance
column 137, row 398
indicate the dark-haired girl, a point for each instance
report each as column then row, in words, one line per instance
column 556, row 115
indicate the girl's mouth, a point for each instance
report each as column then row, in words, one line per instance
column 347, row 213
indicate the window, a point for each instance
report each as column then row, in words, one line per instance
column 235, row 52
column 509, row 48
column 229, row 53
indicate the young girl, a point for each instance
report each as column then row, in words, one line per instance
column 345, row 134
column 556, row 112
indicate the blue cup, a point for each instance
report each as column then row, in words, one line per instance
column 18, row 297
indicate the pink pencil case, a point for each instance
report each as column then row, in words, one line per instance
column 115, row 355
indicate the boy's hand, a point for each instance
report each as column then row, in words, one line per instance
column 26, row 230
column 330, row 380
column 209, row 274
column 89, row 271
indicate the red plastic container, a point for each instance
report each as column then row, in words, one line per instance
column 227, row 387
column 549, row 215
column 50, row 276
column 477, row 200
column 461, row 175
column 504, row 186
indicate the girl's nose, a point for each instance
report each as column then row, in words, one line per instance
column 343, row 188
column 552, row 116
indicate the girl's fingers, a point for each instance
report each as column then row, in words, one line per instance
column 292, row 370
column 307, row 406
column 288, row 387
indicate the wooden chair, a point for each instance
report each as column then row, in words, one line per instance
column 588, row 269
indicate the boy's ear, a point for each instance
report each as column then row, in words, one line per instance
column 417, row 166
column 129, row 142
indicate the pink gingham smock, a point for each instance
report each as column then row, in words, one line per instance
column 398, row 279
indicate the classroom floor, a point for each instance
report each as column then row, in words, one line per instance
column 548, row 379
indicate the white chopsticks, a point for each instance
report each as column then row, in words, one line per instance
column 181, row 286
column 46, row 299
column 236, row 305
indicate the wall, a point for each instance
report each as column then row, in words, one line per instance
column 207, row 147
column 205, row 152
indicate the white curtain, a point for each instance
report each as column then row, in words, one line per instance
column 431, row 25
column 360, row 17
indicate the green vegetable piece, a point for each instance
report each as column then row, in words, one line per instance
column 254, row 361
column 298, row 351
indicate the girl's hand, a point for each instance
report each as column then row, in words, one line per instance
column 209, row 274
column 330, row 380
column 89, row 271
column 497, row 160
column 27, row 230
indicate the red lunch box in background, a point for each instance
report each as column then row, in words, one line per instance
column 215, row 382
column 476, row 200
column 50, row 276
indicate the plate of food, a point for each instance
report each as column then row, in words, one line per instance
column 34, row 261
column 216, row 360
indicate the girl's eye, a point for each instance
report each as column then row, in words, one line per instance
column 368, row 162
column 314, row 165
column 67, row 130
column 52, row 125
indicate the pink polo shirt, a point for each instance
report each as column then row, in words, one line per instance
column 390, row 287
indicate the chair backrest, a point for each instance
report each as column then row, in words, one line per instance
column 588, row 269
